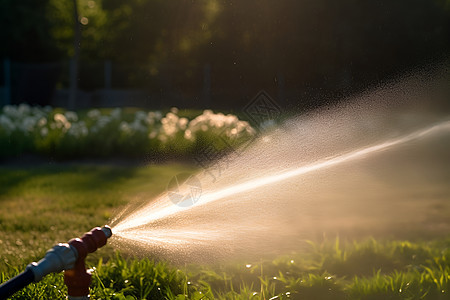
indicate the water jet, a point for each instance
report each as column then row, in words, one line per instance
column 310, row 176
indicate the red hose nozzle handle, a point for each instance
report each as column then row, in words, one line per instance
column 69, row 257
column 78, row 279
column 91, row 241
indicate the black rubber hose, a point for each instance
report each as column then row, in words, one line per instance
column 16, row 284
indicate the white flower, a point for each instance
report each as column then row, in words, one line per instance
column 182, row 123
column 151, row 118
column 169, row 130
column 231, row 119
column 44, row 131
column 11, row 111
column 28, row 124
column 125, row 127
column 218, row 123
column 38, row 112
column 84, row 130
column 42, row 122
column 7, row 124
column 188, row 135
column 71, row 116
column 78, row 130
column 61, row 121
column 103, row 121
column 60, row 118
column 174, row 110
column 138, row 126
column 94, row 114
column 170, row 118
column 140, row 115
column 169, row 125
column 24, row 109
column 158, row 115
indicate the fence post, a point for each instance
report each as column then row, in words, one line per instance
column 7, row 85
column 107, row 74
column 73, row 70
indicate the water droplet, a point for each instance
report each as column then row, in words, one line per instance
column 248, row 266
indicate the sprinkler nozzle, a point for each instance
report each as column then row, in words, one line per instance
column 107, row 231
column 64, row 256
column 78, row 279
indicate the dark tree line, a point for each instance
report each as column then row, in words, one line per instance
column 308, row 46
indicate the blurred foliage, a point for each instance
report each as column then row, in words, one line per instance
column 26, row 22
column 308, row 45
column 116, row 133
column 151, row 30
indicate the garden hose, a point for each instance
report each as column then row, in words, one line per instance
column 67, row 257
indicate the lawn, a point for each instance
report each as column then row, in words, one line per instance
column 51, row 203
column 47, row 204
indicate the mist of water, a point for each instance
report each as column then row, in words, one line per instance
column 346, row 168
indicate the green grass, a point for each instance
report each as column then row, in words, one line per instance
column 53, row 203
column 406, row 271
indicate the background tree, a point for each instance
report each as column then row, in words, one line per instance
column 314, row 47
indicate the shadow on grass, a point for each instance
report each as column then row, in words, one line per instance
column 64, row 178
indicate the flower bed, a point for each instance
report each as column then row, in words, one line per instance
column 100, row 133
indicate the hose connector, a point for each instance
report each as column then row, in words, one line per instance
column 78, row 279
column 69, row 257
column 61, row 257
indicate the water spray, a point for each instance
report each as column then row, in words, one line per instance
column 68, row 257
column 131, row 226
